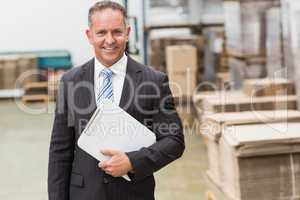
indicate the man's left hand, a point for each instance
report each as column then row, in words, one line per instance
column 118, row 165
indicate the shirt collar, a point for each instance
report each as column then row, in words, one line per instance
column 118, row 68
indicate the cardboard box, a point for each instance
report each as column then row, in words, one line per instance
column 261, row 161
column 158, row 47
column 214, row 125
column 183, row 83
column 268, row 87
column 181, row 58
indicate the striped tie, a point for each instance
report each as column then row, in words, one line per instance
column 106, row 91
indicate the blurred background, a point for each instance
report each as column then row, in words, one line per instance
column 233, row 71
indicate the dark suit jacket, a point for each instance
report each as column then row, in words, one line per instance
column 73, row 174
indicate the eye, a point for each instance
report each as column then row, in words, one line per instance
column 101, row 33
column 118, row 32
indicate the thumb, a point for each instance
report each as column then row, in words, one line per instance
column 109, row 152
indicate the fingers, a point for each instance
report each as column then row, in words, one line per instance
column 109, row 152
column 103, row 164
column 117, row 165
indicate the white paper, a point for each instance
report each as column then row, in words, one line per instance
column 111, row 127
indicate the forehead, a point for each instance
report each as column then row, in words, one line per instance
column 108, row 18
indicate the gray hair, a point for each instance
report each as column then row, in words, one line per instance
column 102, row 5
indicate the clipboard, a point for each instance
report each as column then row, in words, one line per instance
column 111, row 127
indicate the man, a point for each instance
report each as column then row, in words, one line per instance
column 141, row 91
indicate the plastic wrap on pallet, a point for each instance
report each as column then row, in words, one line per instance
column 291, row 40
column 245, row 26
column 274, row 44
column 241, row 69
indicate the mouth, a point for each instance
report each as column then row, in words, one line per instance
column 109, row 49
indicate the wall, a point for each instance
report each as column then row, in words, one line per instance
column 45, row 25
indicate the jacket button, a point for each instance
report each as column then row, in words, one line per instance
column 105, row 180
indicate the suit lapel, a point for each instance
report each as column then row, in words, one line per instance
column 132, row 80
column 88, row 94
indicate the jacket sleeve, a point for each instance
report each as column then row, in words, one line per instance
column 61, row 151
column 169, row 136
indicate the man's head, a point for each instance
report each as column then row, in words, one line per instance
column 108, row 31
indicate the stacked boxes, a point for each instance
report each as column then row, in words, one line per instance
column 1, row 74
column 26, row 70
column 250, row 103
column 8, row 71
column 237, row 101
column 159, row 45
column 182, row 69
column 268, row 87
column 261, row 161
column 14, row 70
column 215, row 124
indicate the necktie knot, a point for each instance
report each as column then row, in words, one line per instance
column 107, row 73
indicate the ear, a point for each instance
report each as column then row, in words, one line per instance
column 89, row 35
column 128, row 30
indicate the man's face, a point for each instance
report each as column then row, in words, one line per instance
column 108, row 34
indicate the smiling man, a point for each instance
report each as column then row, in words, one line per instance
column 141, row 91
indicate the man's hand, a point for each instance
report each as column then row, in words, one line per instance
column 118, row 165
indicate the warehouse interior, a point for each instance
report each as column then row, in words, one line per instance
column 233, row 72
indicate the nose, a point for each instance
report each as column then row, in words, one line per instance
column 109, row 39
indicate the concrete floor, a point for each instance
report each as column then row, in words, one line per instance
column 24, row 143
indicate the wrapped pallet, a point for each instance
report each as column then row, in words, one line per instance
column 291, row 38
column 290, row 12
column 182, row 69
column 268, row 87
column 245, row 68
column 214, row 39
column 214, row 125
column 274, row 44
column 261, row 161
column 26, row 69
column 1, row 75
column 8, row 71
column 245, row 26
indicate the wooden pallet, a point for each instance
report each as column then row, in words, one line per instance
column 35, row 85
column 35, row 98
column 36, row 92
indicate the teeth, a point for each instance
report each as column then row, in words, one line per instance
column 109, row 48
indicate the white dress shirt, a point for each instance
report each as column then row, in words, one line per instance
column 118, row 77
